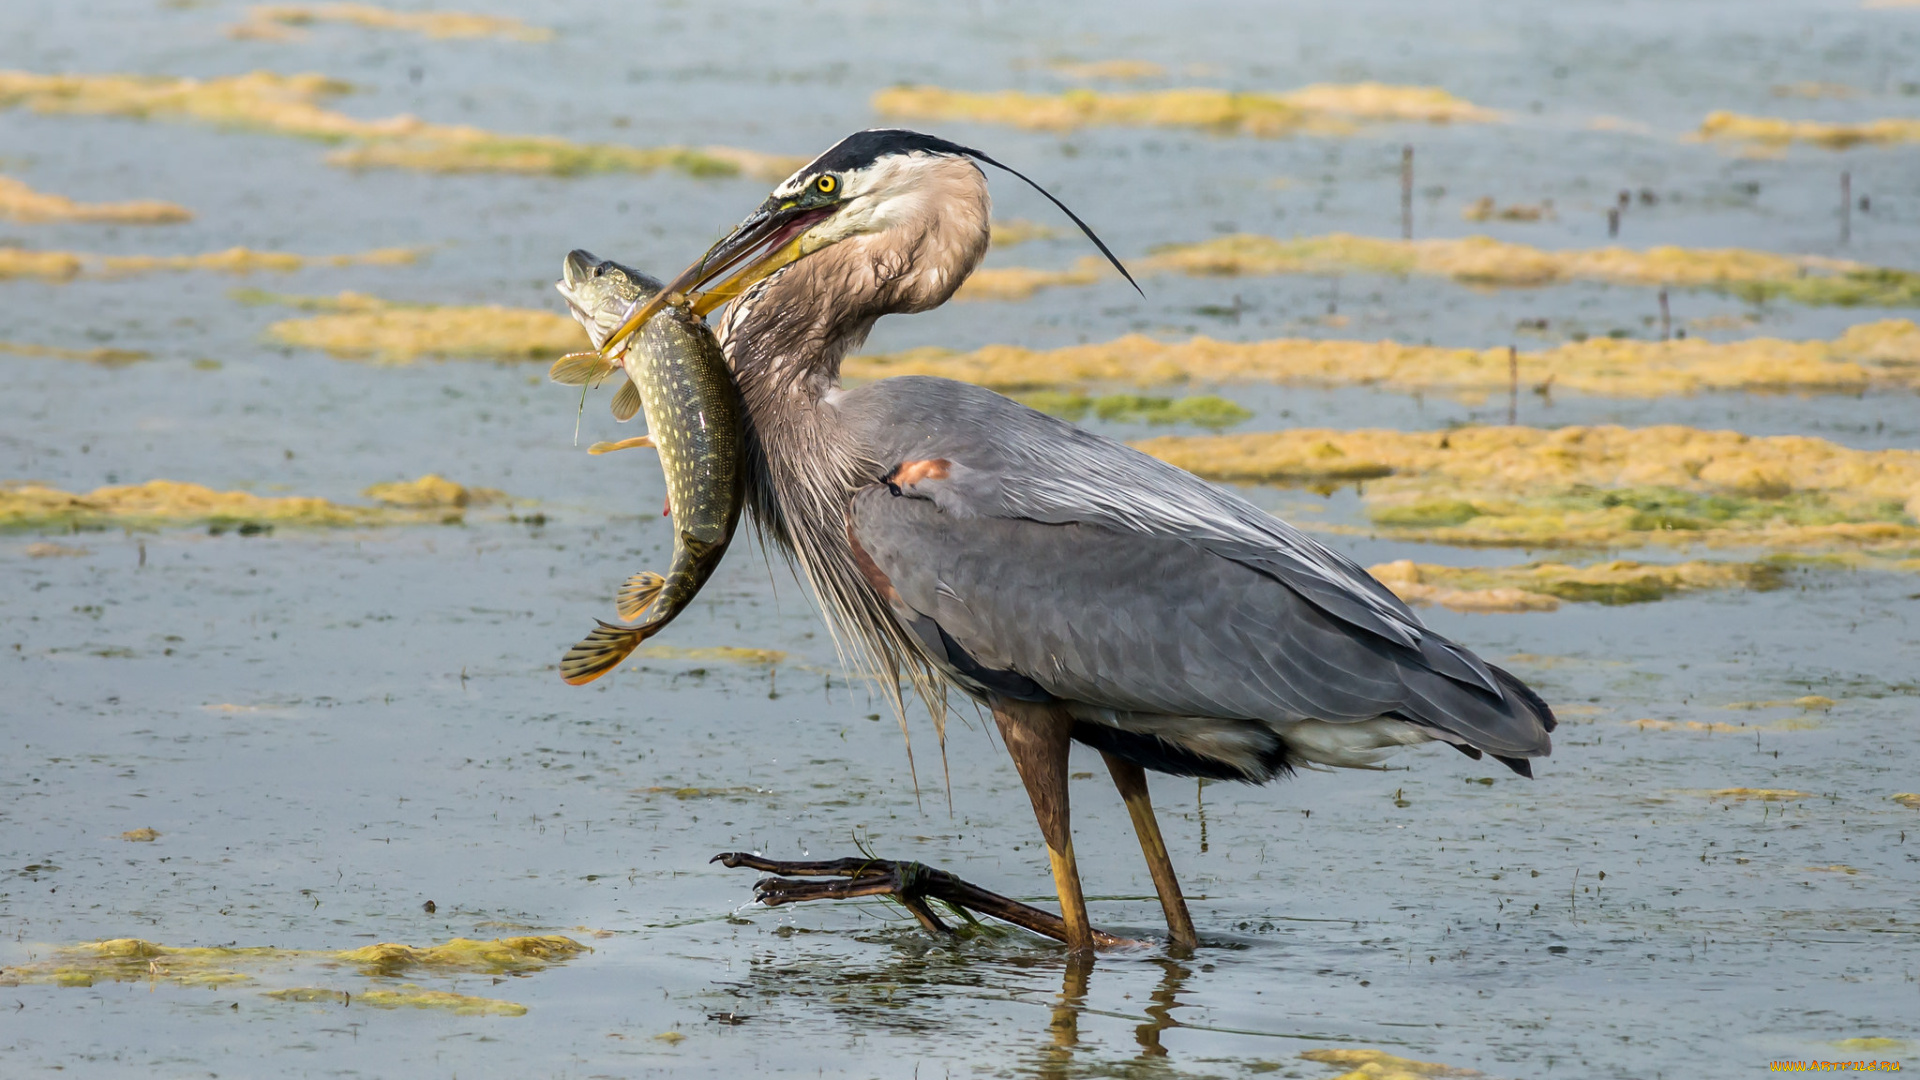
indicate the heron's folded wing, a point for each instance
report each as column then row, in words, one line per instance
column 1006, row 460
column 1144, row 623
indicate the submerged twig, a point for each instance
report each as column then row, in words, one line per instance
column 912, row 884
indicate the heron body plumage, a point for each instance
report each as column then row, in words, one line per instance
column 1074, row 585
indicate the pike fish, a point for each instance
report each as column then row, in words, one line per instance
column 676, row 373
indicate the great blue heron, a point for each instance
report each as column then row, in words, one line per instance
column 1080, row 589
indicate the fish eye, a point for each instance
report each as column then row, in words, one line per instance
column 826, row 184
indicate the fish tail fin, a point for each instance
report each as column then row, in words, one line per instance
column 600, row 652
column 579, row 369
column 638, row 594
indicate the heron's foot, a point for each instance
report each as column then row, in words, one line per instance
column 912, row 884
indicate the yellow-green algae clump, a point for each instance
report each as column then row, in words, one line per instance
column 1323, row 108
column 131, row 959
column 1481, row 260
column 1883, row 354
column 356, row 326
column 1380, row 1065
column 1774, row 131
column 279, row 21
column 1589, row 486
column 433, row 492
column 104, row 357
column 163, row 503
column 18, row 202
column 293, row 105
column 1542, row 586
column 1200, row 410
column 65, row 265
column 499, row 956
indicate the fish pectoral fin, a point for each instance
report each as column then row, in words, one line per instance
column 638, row 594
column 600, row 652
column 623, row 444
column 626, row 401
column 580, row 369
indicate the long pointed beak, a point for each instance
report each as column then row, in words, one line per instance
column 762, row 244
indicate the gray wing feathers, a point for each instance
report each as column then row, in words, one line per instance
column 1025, row 464
column 1157, row 624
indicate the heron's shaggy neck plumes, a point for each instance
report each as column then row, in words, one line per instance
column 909, row 236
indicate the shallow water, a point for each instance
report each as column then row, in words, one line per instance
column 328, row 730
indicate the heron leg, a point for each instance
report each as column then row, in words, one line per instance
column 1131, row 779
column 1038, row 738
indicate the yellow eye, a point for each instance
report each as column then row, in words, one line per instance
column 825, row 185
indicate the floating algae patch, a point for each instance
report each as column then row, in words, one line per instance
column 1907, row 799
column 130, row 959
column 433, row 492
column 1483, row 261
column 1117, row 70
column 1883, row 354
column 280, row 21
column 18, row 202
column 312, row 993
column 1797, row 723
column 1021, row 282
column 1745, row 794
column 1542, row 586
column 103, row 357
column 1587, row 486
column 1015, row 231
column 414, row 997
column 361, row 327
column 1321, row 109
column 1774, row 131
column 294, row 105
column 728, row 654
column 168, row 503
column 65, row 265
column 466, row 150
column 500, row 956
column 143, row 835
column 1872, row 1043
column 1818, row 702
column 1202, row 410
column 1380, row 1065
column 1485, row 209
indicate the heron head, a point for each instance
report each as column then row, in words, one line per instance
column 907, row 212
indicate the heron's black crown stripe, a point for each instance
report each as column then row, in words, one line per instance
column 863, row 148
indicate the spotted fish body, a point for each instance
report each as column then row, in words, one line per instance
column 695, row 421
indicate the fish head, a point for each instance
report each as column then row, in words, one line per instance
column 600, row 292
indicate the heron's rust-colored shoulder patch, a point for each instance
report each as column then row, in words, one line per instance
column 908, row 473
column 870, row 570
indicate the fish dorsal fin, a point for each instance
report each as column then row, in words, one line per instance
column 580, row 369
column 626, row 401
column 638, row 594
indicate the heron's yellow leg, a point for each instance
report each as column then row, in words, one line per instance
column 1038, row 738
column 1131, row 779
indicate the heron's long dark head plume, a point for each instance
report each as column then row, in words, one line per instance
column 817, row 206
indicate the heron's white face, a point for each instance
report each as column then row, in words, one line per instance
column 901, row 192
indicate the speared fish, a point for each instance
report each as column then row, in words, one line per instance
column 677, row 374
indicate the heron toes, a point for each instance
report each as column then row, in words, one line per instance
column 911, row 884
